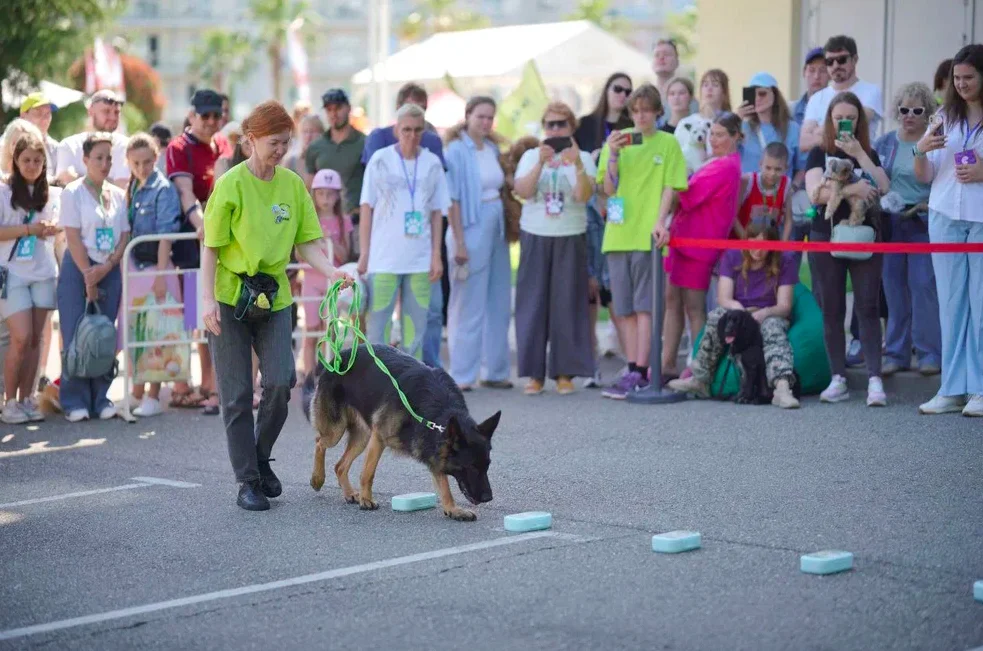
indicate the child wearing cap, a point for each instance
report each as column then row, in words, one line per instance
column 337, row 226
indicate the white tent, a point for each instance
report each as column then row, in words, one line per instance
column 59, row 95
column 576, row 55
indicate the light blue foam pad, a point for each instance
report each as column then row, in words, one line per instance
column 528, row 521
column 674, row 542
column 826, row 562
column 978, row 591
column 414, row 501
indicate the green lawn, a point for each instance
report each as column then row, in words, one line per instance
column 514, row 257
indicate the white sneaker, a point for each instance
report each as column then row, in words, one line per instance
column 30, row 407
column 148, row 407
column 783, row 396
column 875, row 393
column 108, row 412
column 942, row 405
column 593, row 382
column 975, row 406
column 14, row 414
column 77, row 415
column 836, row 391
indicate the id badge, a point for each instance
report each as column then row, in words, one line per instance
column 616, row 210
column 413, row 223
column 967, row 157
column 25, row 248
column 105, row 241
column 554, row 203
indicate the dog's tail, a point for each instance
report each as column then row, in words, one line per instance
column 315, row 383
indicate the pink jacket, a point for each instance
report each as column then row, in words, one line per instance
column 707, row 209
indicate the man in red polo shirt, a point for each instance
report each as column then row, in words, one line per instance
column 191, row 167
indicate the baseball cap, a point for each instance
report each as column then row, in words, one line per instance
column 206, row 101
column 335, row 96
column 35, row 100
column 326, row 179
column 813, row 54
column 105, row 95
column 161, row 131
column 764, row 80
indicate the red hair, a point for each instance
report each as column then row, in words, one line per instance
column 267, row 119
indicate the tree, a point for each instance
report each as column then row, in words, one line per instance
column 141, row 83
column 41, row 39
column 433, row 16
column 222, row 58
column 600, row 13
column 274, row 18
column 681, row 26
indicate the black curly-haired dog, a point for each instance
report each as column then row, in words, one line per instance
column 742, row 333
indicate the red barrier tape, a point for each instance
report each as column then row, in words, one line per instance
column 824, row 247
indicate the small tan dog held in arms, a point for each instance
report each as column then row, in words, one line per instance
column 838, row 175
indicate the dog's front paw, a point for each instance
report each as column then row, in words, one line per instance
column 461, row 515
column 317, row 481
column 366, row 504
column 742, row 399
column 353, row 498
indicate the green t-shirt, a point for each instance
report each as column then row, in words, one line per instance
column 643, row 173
column 255, row 224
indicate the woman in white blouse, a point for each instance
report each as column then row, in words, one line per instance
column 28, row 212
column 93, row 214
column 950, row 157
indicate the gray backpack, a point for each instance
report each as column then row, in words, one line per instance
column 92, row 351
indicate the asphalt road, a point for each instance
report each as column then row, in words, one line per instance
column 902, row 492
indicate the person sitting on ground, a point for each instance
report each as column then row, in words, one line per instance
column 761, row 282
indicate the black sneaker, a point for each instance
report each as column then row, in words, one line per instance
column 270, row 483
column 251, row 496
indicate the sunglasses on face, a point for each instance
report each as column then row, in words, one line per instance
column 556, row 124
column 917, row 111
column 840, row 60
column 210, row 116
column 618, row 88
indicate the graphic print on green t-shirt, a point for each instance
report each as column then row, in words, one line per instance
column 644, row 171
column 254, row 225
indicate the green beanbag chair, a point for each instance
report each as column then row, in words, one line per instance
column 808, row 347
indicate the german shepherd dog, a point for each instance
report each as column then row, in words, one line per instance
column 739, row 330
column 364, row 403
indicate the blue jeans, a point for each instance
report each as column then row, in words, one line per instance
column 912, row 299
column 958, row 278
column 435, row 326
column 84, row 393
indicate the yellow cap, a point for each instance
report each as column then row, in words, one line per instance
column 34, row 100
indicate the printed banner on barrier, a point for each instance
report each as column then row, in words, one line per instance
column 164, row 363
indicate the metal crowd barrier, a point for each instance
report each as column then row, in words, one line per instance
column 126, row 308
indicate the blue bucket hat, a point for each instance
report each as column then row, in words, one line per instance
column 764, row 80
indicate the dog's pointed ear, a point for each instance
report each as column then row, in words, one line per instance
column 487, row 428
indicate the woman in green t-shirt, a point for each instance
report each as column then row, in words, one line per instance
column 255, row 216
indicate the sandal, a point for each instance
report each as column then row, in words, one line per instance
column 210, row 408
column 190, row 399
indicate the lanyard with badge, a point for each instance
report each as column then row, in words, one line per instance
column 553, row 199
column 967, row 156
column 24, row 248
column 105, row 238
column 413, row 218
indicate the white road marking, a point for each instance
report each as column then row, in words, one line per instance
column 68, row 496
column 165, row 482
column 42, row 446
column 273, row 585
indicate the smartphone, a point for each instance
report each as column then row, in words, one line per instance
column 748, row 94
column 936, row 124
column 559, row 143
column 636, row 138
column 844, row 126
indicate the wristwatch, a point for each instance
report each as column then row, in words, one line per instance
column 916, row 153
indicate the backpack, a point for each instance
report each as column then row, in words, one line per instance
column 92, row 351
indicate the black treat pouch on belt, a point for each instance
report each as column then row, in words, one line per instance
column 256, row 297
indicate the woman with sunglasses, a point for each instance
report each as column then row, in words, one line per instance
column 555, row 180
column 908, row 278
column 610, row 114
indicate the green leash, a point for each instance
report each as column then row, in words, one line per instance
column 336, row 331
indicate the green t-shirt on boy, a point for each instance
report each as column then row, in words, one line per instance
column 255, row 224
column 644, row 171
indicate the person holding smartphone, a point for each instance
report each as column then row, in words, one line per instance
column 949, row 157
column 555, row 180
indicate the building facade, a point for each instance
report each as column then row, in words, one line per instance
column 165, row 32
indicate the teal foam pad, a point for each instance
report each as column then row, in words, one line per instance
column 978, row 591
column 528, row 521
column 414, row 501
column 674, row 542
column 826, row 562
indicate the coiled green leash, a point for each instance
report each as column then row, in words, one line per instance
column 336, row 332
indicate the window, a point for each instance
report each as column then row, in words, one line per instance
column 152, row 50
